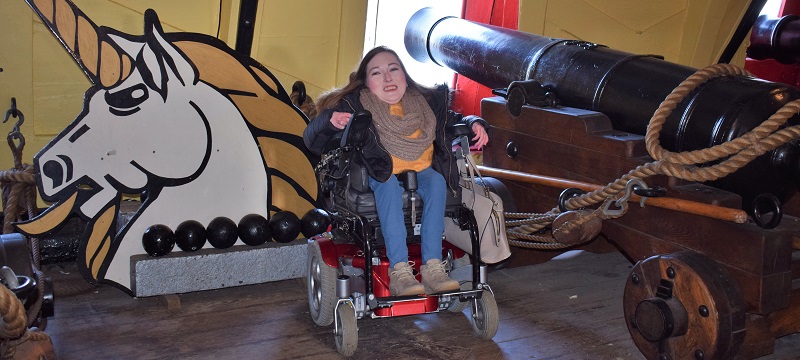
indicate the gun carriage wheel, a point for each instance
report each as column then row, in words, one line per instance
column 684, row 306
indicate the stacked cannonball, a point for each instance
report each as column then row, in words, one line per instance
column 222, row 232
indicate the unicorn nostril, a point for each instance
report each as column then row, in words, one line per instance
column 53, row 170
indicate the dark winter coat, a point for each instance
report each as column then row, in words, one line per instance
column 320, row 132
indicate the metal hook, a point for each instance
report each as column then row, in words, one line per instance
column 16, row 147
column 622, row 202
column 14, row 112
column 629, row 188
column 611, row 214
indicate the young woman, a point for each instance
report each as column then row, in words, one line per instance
column 409, row 121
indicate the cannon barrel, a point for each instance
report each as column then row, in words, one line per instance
column 627, row 88
column 776, row 38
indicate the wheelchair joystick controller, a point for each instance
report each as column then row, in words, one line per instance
column 409, row 179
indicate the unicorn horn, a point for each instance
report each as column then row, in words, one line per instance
column 99, row 57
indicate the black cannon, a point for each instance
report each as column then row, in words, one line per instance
column 776, row 38
column 625, row 87
column 701, row 287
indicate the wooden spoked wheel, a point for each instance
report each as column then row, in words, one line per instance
column 684, row 306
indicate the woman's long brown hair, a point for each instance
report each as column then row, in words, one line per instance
column 358, row 80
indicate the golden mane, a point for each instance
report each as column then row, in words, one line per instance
column 251, row 89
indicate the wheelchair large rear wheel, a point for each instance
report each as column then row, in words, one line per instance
column 321, row 280
column 346, row 329
column 485, row 318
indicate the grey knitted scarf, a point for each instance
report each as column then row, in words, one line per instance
column 394, row 130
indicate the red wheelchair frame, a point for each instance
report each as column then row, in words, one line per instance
column 348, row 271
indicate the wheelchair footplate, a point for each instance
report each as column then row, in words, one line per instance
column 420, row 304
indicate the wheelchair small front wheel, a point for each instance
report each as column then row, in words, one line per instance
column 321, row 282
column 485, row 318
column 346, row 331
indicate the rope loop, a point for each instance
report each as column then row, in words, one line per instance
column 688, row 165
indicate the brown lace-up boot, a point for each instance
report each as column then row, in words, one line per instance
column 402, row 281
column 435, row 279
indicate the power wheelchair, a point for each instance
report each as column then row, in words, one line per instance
column 348, row 271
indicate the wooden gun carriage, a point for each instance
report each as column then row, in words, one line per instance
column 701, row 287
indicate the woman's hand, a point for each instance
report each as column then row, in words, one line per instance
column 340, row 119
column 481, row 137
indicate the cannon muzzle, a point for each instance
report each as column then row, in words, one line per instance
column 777, row 39
column 627, row 88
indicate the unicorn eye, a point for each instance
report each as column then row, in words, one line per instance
column 126, row 101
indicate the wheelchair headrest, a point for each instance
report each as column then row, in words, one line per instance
column 355, row 133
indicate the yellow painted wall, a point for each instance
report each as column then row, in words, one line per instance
column 47, row 83
column 321, row 41
column 317, row 41
column 692, row 33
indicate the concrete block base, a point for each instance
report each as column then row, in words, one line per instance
column 206, row 269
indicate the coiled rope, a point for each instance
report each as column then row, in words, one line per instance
column 14, row 326
column 529, row 230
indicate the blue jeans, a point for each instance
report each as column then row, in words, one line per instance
column 389, row 202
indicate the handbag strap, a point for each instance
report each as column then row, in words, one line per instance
column 472, row 170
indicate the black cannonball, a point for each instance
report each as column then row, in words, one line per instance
column 158, row 240
column 315, row 222
column 284, row 226
column 254, row 229
column 190, row 235
column 222, row 232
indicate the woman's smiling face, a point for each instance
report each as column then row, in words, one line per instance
column 385, row 78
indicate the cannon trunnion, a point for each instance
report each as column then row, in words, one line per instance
column 701, row 288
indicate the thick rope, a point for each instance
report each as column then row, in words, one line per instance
column 8, row 348
column 14, row 324
column 684, row 165
column 19, row 195
column 12, row 315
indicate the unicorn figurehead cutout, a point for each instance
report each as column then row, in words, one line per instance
column 196, row 130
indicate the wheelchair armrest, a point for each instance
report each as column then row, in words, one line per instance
column 355, row 133
column 460, row 130
column 334, row 143
column 359, row 177
column 461, row 134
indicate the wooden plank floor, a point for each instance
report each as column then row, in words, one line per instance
column 567, row 308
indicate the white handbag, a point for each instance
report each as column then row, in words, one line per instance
column 488, row 209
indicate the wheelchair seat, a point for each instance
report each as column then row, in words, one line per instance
column 345, row 181
column 357, row 197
